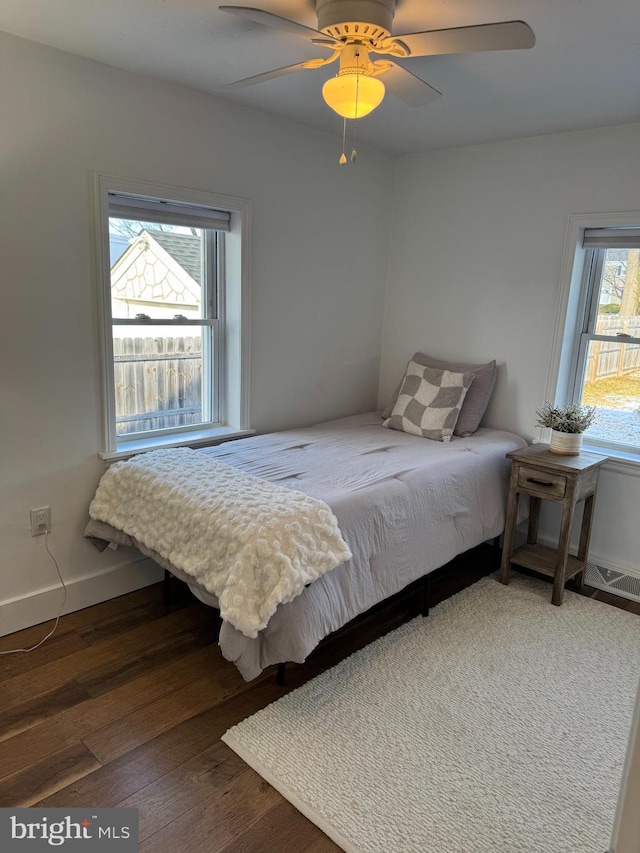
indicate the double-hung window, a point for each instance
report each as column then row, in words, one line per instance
column 604, row 368
column 168, row 367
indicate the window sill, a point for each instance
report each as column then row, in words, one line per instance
column 200, row 438
column 620, row 461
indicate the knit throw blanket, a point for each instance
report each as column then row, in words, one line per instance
column 251, row 543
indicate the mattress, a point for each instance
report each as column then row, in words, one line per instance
column 405, row 506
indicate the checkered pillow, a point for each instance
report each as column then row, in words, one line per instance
column 429, row 402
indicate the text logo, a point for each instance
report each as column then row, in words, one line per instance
column 73, row 830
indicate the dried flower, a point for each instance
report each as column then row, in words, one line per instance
column 571, row 418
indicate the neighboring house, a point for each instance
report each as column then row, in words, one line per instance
column 159, row 271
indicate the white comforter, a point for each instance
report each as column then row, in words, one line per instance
column 253, row 544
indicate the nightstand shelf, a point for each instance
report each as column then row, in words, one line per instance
column 542, row 559
column 566, row 480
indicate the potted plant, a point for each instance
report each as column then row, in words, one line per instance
column 567, row 423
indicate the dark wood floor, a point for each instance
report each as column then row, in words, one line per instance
column 125, row 706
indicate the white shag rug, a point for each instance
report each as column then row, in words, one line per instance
column 497, row 725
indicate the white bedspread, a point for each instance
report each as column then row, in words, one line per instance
column 253, row 544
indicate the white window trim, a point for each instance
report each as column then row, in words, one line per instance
column 236, row 257
column 559, row 384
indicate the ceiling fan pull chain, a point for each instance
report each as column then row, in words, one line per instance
column 353, row 142
column 354, row 153
column 343, row 156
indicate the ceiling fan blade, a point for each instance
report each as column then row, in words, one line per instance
column 508, row 35
column 409, row 88
column 326, row 41
column 260, row 78
column 268, row 19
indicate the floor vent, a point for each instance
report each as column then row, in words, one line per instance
column 618, row 583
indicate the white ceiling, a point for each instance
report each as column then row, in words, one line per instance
column 584, row 70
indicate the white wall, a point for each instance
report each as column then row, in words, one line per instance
column 474, row 273
column 317, row 302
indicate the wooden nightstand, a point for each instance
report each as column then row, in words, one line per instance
column 543, row 475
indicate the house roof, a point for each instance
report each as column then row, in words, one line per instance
column 185, row 249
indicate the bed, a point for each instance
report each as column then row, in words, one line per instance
column 404, row 505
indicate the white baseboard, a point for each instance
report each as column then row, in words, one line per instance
column 623, row 566
column 40, row 606
column 620, row 577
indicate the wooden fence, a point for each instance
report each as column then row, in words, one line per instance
column 613, row 358
column 158, row 382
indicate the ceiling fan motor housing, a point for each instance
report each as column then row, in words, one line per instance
column 366, row 19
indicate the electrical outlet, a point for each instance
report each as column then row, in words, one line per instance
column 40, row 520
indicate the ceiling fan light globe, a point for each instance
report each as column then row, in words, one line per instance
column 353, row 95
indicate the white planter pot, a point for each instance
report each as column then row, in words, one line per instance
column 565, row 443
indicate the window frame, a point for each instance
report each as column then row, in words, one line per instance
column 579, row 290
column 229, row 416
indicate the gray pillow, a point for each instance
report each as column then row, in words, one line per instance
column 429, row 402
column 475, row 403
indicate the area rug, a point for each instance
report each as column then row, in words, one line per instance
column 499, row 724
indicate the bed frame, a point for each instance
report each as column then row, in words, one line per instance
column 416, row 599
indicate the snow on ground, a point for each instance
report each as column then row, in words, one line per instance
column 617, row 425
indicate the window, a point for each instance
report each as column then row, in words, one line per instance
column 173, row 279
column 604, row 366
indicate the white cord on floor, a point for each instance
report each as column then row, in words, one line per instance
column 64, row 601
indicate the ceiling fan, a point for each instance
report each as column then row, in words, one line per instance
column 354, row 29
